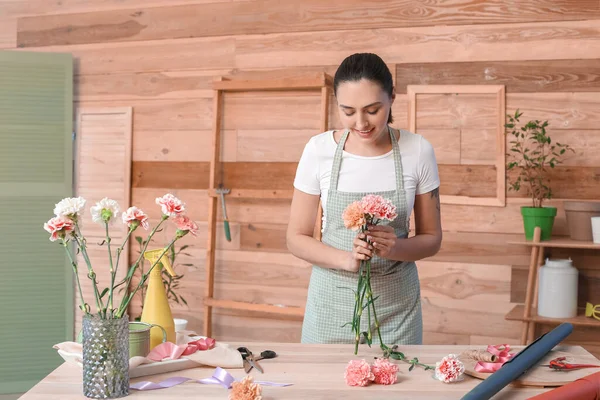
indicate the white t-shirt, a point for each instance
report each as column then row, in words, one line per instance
column 367, row 174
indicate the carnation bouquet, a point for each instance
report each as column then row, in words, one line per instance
column 65, row 227
column 370, row 210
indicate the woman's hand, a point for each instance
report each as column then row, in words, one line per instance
column 383, row 238
column 361, row 251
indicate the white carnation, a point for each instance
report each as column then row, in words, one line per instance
column 105, row 210
column 69, row 207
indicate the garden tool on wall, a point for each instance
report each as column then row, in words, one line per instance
column 156, row 304
column 222, row 191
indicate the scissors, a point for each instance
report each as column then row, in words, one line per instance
column 252, row 362
column 560, row 364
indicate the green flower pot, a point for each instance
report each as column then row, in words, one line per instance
column 538, row 216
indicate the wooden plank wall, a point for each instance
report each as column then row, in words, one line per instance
column 160, row 56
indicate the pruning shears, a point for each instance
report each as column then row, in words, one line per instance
column 560, row 364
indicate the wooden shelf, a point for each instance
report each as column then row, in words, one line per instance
column 516, row 314
column 560, row 242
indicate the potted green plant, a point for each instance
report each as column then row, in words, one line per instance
column 531, row 154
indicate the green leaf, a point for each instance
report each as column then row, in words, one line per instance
column 139, row 239
column 412, row 366
column 103, row 293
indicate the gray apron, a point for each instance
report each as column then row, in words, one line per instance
column 330, row 302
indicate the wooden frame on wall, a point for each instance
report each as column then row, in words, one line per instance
column 222, row 85
column 499, row 91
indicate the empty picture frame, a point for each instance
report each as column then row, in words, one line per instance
column 493, row 90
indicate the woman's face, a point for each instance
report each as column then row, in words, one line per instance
column 364, row 109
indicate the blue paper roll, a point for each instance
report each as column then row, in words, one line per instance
column 520, row 363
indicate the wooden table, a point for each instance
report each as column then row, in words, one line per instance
column 316, row 371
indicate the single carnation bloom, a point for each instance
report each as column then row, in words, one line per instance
column 70, row 207
column 134, row 214
column 59, row 227
column 353, row 216
column 385, row 372
column 378, row 207
column 185, row 224
column 170, row 205
column 105, row 210
column 246, row 389
column 450, row 369
column 358, row 373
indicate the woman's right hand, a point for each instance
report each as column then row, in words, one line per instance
column 361, row 251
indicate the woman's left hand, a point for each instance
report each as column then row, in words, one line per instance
column 383, row 238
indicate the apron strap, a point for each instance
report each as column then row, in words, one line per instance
column 337, row 161
column 339, row 151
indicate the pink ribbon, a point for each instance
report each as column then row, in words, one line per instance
column 168, row 350
column 501, row 352
column 219, row 377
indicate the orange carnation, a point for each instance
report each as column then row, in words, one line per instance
column 353, row 216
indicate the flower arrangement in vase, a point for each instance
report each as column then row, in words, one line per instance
column 106, row 331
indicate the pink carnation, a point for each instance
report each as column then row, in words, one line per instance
column 378, row 207
column 358, row 373
column 170, row 205
column 135, row 214
column 59, row 227
column 184, row 223
column 384, row 371
column 450, row 369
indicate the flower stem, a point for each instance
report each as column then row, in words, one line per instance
column 91, row 274
column 369, row 299
column 145, row 276
column 114, row 275
column 112, row 270
column 84, row 307
column 128, row 296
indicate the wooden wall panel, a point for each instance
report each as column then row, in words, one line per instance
column 443, row 111
column 577, row 40
column 150, row 56
column 562, row 110
column 8, row 37
column 571, row 182
column 272, row 16
column 528, row 76
column 178, row 114
column 476, row 282
column 181, row 84
column 395, row 45
column 44, row 7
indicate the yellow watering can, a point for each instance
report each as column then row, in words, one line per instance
column 156, row 304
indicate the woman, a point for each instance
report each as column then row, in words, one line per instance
column 339, row 167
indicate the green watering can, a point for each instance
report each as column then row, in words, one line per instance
column 139, row 338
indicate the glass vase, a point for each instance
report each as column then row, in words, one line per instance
column 105, row 357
